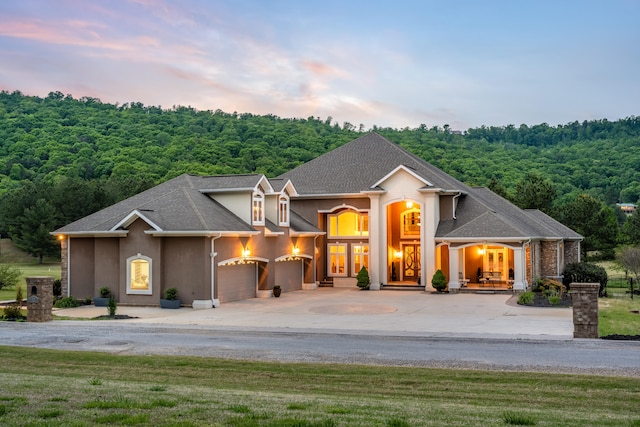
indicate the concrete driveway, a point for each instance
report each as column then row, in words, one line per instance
column 336, row 310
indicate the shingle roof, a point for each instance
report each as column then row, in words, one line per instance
column 174, row 206
column 358, row 165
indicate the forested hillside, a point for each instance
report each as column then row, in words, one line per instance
column 70, row 156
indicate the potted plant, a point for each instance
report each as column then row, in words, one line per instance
column 277, row 290
column 439, row 281
column 363, row 279
column 170, row 299
column 103, row 299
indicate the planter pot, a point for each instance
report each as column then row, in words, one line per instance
column 170, row 303
column 277, row 292
column 100, row 302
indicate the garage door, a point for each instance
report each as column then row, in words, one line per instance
column 236, row 282
column 289, row 275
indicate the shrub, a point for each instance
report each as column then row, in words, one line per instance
column 171, row 294
column 112, row 306
column 12, row 311
column 526, row 298
column 363, row 278
column 57, row 288
column 584, row 272
column 517, row 419
column 9, row 276
column 66, row 302
column 548, row 287
column 439, row 281
column 105, row 292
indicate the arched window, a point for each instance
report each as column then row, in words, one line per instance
column 139, row 273
column 283, row 211
column 258, row 209
column 349, row 224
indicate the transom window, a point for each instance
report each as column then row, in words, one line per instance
column 410, row 223
column 349, row 224
column 283, row 211
column 337, row 259
column 139, row 275
column 258, row 209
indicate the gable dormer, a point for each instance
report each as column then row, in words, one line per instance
column 279, row 203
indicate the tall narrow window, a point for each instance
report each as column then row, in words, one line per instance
column 258, row 209
column 337, row 259
column 283, row 211
column 360, row 258
column 410, row 226
column 139, row 275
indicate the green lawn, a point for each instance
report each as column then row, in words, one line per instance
column 30, row 269
column 48, row 387
column 618, row 313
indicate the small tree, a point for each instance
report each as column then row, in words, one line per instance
column 439, row 281
column 112, row 306
column 363, row 278
column 9, row 276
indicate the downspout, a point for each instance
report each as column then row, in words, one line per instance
column 455, row 204
column 68, row 239
column 315, row 271
column 213, row 283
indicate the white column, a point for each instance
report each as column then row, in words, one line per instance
column 429, row 218
column 519, row 270
column 377, row 235
column 454, row 268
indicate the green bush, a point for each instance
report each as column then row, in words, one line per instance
column 112, row 306
column 171, row 294
column 105, row 292
column 9, row 276
column 585, row 272
column 363, row 278
column 439, row 281
column 526, row 298
column 66, row 302
column 57, row 288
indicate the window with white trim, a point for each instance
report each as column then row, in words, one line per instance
column 139, row 275
column 410, row 223
column 348, row 224
column 359, row 258
column 283, row 210
column 258, row 209
column 337, row 259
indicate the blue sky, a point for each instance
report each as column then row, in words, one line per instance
column 385, row 63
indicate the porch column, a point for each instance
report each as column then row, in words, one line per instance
column 454, row 269
column 429, row 218
column 377, row 232
column 519, row 269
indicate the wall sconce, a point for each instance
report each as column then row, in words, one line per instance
column 245, row 253
column 398, row 254
column 480, row 251
column 61, row 237
column 296, row 250
column 409, row 204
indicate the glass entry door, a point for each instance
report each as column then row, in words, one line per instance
column 411, row 262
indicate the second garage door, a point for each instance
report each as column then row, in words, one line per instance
column 236, row 282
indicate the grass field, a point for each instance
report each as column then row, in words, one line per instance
column 48, row 387
column 30, row 269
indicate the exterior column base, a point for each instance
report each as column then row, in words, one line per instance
column 309, row 286
column 519, row 286
column 201, row 304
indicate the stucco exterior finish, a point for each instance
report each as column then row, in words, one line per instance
column 186, row 266
column 107, row 265
column 82, row 268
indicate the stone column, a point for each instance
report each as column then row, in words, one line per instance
column 64, row 264
column 40, row 299
column 584, row 298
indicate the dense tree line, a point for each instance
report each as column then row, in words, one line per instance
column 62, row 158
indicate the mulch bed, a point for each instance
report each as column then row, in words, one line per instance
column 115, row 317
column 621, row 337
column 540, row 300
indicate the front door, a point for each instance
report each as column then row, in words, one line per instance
column 410, row 262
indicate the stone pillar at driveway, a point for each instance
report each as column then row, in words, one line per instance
column 40, row 299
column 584, row 298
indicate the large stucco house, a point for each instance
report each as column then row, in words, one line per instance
column 368, row 203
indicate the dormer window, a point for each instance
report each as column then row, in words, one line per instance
column 258, row 209
column 283, row 211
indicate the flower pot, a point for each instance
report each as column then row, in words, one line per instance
column 170, row 303
column 277, row 292
column 101, row 302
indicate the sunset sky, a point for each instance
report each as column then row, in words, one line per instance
column 387, row 63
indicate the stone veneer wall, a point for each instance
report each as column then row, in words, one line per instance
column 64, row 273
column 584, row 298
column 549, row 259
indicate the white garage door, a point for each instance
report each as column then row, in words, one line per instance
column 236, row 282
